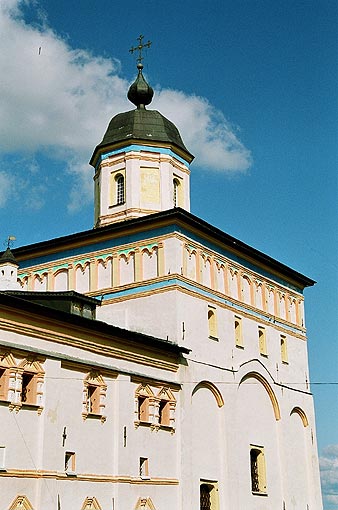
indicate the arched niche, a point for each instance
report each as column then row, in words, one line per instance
column 301, row 414
column 274, row 402
column 214, row 390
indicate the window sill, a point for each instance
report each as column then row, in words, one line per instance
column 94, row 416
column 239, row 346
column 71, row 474
column 140, row 423
column 264, row 354
column 259, row 493
column 215, row 338
column 285, row 362
column 25, row 405
column 116, row 205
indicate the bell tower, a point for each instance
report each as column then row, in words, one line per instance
column 141, row 165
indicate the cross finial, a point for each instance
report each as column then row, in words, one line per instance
column 139, row 48
column 10, row 241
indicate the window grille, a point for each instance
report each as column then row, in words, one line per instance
column 119, row 189
column 175, row 193
column 205, row 500
column 254, row 470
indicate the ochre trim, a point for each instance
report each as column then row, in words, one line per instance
column 268, row 320
column 214, row 390
column 269, row 390
column 21, row 502
column 85, row 477
column 87, row 341
column 301, row 413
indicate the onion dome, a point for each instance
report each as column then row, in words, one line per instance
column 141, row 125
column 140, row 93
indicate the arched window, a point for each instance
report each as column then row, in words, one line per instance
column 119, row 189
column 176, row 185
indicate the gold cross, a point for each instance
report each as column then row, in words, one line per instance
column 139, row 48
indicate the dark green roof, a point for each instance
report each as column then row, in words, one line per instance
column 142, row 125
column 8, row 257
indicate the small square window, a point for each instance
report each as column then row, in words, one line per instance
column 144, row 468
column 70, row 463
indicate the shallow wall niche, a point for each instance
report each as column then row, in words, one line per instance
column 256, row 423
column 206, row 271
column 61, row 280
column 40, row 282
column 82, row 278
column 298, row 448
column 219, row 278
column 233, row 284
column 191, row 265
column 127, row 268
column 150, row 263
column 104, row 274
column 259, row 295
column 246, row 289
column 206, row 431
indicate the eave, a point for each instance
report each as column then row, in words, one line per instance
column 179, row 218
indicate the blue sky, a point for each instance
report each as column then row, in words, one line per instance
column 252, row 86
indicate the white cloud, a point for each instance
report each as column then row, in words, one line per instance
column 328, row 462
column 59, row 99
column 6, row 187
column 205, row 131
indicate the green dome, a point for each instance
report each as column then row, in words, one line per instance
column 141, row 125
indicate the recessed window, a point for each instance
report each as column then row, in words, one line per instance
column 70, row 462
column 28, row 388
column 257, row 468
column 208, row 495
column 262, row 341
column 119, row 189
column 176, row 185
column 283, row 349
column 94, row 396
column 238, row 332
column 2, row 457
column 143, row 408
column 164, row 413
column 93, row 399
column 144, row 467
column 3, row 384
column 212, row 322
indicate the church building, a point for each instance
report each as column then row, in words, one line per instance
column 153, row 362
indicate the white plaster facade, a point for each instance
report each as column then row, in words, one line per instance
column 214, row 412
